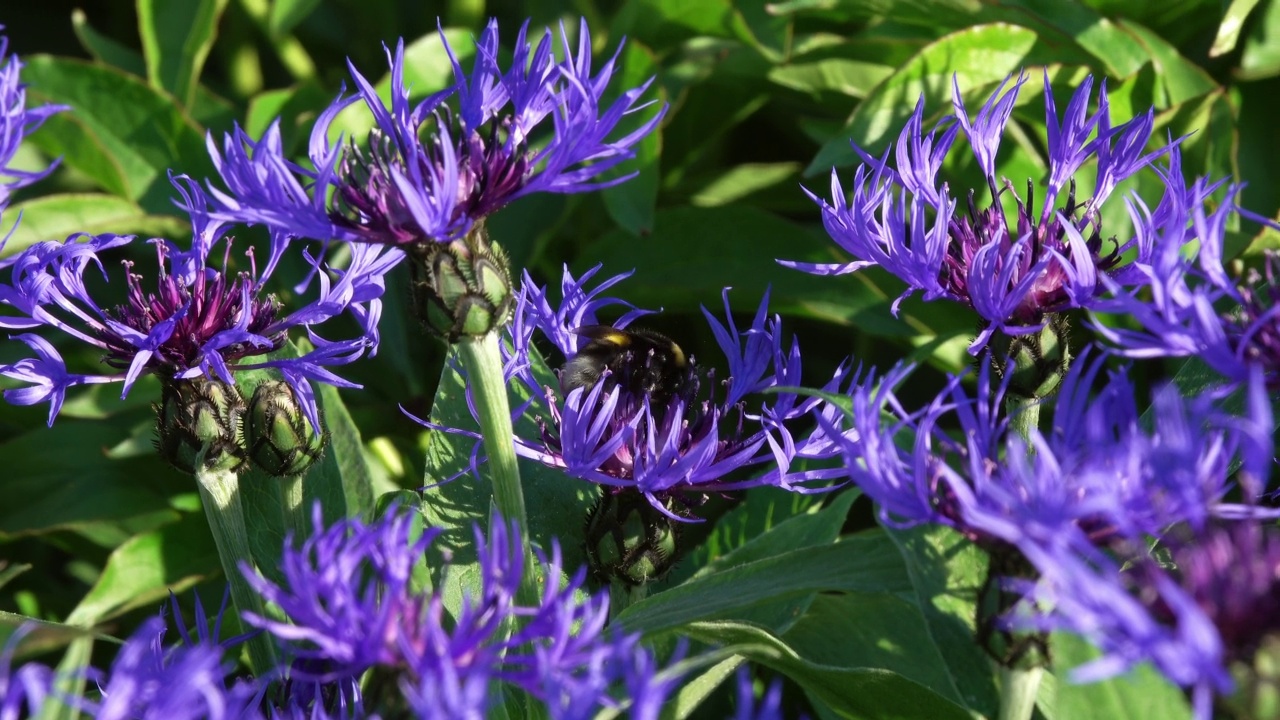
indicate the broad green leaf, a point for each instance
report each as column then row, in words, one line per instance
column 830, row 71
column 744, row 183
column 1180, row 79
column 292, row 106
column 632, row 204
column 875, row 630
column 857, row 564
column 104, row 49
column 1138, row 694
column 1261, row 56
column 143, row 571
column 286, row 14
column 694, row 691
column 947, row 572
column 124, row 135
column 1229, row 29
column 176, row 39
column 55, row 217
column 41, row 635
column 871, row 693
column 45, row 488
column 976, row 57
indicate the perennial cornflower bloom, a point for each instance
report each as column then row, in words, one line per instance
column 1015, row 272
column 429, row 172
column 1188, row 305
column 1097, row 472
column 16, row 122
column 1205, row 613
column 354, row 607
column 198, row 322
column 24, row 687
column 667, row 443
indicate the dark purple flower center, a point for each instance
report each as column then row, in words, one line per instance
column 980, row 228
column 490, row 171
column 212, row 305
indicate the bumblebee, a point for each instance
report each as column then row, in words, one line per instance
column 642, row 362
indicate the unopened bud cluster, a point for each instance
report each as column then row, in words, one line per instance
column 629, row 540
column 462, row 288
column 205, row 424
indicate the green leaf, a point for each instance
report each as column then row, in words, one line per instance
column 144, row 570
column 695, row 690
column 1229, row 29
column 1261, row 56
column 946, row 573
column 46, row 488
column 41, row 636
column 55, row 217
column 633, row 203
column 875, row 630
column 1138, row 694
column 343, row 470
column 286, row 14
column 858, row 564
column 70, row 681
column 104, row 49
column 1179, row 79
column 9, row 572
column 871, row 693
column 176, row 39
column 124, row 135
column 976, row 56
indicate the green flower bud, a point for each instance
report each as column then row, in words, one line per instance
column 1040, row 360
column 1257, row 693
column 280, row 440
column 629, row 540
column 462, row 287
column 198, row 425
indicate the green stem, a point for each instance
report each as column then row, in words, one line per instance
column 482, row 360
column 296, row 512
column 220, row 494
column 622, row 596
column 1018, row 689
column 483, row 363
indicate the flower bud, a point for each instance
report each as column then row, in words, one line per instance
column 280, row 440
column 1257, row 693
column 461, row 287
column 198, row 425
column 629, row 540
column 1040, row 360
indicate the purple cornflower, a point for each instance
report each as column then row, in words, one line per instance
column 1188, row 304
column 1012, row 271
column 352, row 606
column 770, row 707
column 1097, row 472
column 1200, row 615
column 429, row 171
column 16, row 122
column 150, row 681
column 668, row 443
column 26, row 687
column 196, row 322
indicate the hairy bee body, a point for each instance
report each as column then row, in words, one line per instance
column 640, row 361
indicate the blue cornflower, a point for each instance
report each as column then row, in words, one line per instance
column 1012, row 271
column 1203, row 612
column 151, row 681
column 667, row 443
column 26, row 687
column 429, row 171
column 16, row 122
column 1188, row 305
column 352, row 608
column 770, row 707
column 1097, row 472
column 197, row 322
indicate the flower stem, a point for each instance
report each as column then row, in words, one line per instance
column 482, row 360
column 1018, row 689
column 220, row 495
column 294, row 505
